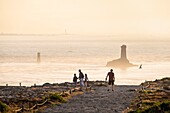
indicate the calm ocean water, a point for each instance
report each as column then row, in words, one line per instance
column 62, row 56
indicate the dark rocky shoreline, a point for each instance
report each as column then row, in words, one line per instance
column 64, row 98
column 17, row 98
column 153, row 97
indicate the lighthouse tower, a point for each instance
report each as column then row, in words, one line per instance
column 38, row 57
column 122, row 62
column 123, row 52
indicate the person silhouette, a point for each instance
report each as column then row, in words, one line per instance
column 85, row 80
column 75, row 80
column 111, row 79
column 81, row 77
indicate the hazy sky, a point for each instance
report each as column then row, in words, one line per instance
column 105, row 17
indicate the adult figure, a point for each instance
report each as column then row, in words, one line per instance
column 81, row 77
column 75, row 80
column 111, row 79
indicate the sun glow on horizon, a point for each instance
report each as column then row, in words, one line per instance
column 139, row 17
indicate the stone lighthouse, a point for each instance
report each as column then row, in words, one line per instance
column 123, row 52
column 38, row 57
column 122, row 62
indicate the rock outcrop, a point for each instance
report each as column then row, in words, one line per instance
column 122, row 62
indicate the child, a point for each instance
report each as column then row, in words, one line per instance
column 85, row 80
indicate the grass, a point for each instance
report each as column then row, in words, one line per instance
column 146, row 91
column 154, row 107
column 57, row 97
column 3, row 107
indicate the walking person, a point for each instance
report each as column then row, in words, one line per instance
column 85, row 80
column 75, row 80
column 81, row 77
column 111, row 79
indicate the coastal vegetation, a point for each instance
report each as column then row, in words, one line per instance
column 34, row 98
column 153, row 107
column 154, row 97
column 3, row 107
column 57, row 97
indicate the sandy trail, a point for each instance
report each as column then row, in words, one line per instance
column 98, row 101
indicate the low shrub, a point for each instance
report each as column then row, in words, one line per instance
column 157, row 107
column 165, row 105
column 3, row 107
column 57, row 97
column 148, row 103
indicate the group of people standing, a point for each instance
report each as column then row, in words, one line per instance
column 83, row 79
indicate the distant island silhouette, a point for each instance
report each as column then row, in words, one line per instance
column 18, row 34
column 122, row 62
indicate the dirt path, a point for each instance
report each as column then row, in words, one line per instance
column 98, row 101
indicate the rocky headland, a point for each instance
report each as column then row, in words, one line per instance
column 150, row 96
column 29, row 99
column 153, row 97
column 122, row 62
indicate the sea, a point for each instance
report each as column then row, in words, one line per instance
column 63, row 55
